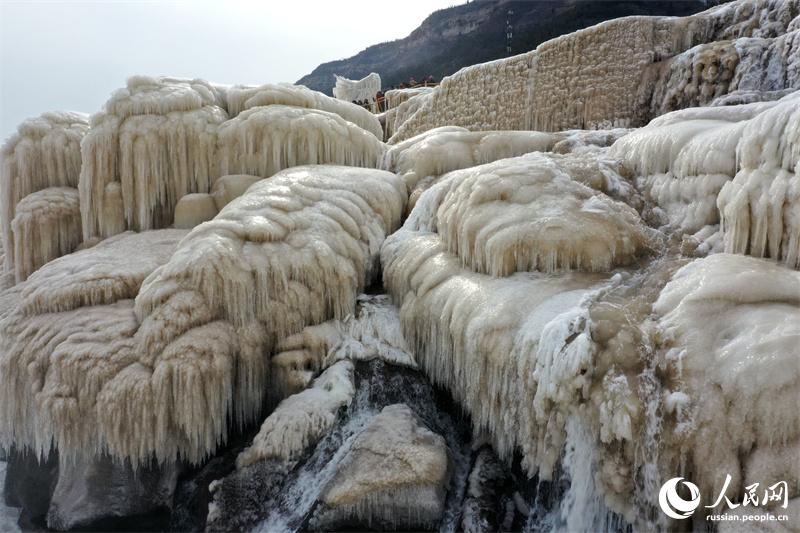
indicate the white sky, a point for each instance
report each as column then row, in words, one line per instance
column 71, row 55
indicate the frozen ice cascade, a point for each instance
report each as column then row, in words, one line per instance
column 522, row 300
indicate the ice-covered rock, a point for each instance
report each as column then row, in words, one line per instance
column 396, row 474
column 153, row 143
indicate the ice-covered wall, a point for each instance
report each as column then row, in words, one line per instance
column 44, row 152
column 490, row 96
column 395, row 97
column 622, row 72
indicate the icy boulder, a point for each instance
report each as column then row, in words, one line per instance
column 731, row 394
column 396, row 474
column 228, row 188
column 45, row 152
column 153, row 143
column 194, row 209
column 243, row 97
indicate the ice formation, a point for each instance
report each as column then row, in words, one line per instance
column 295, row 250
column 397, row 466
column 228, row 188
column 477, row 334
column 303, row 418
column 45, row 152
column 194, row 209
column 263, row 140
column 153, row 143
column 363, row 89
column 731, row 394
column 529, row 214
column 47, row 225
column 372, row 331
column 737, row 166
column 66, row 333
column 243, row 97
column 592, row 308
column 395, row 97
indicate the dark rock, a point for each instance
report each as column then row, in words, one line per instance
column 103, row 488
column 30, row 482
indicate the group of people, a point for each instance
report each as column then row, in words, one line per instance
column 380, row 97
column 412, row 84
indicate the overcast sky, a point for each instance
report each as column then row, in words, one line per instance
column 72, row 55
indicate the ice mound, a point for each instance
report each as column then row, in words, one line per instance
column 295, row 250
column 441, row 150
column 529, row 214
column 263, row 140
column 731, row 392
column 228, row 188
column 194, row 209
column 396, row 472
column 243, row 97
column 45, row 152
column 47, row 225
column 465, row 326
column 302, row 419
column 67, row 331
column 153, row 143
